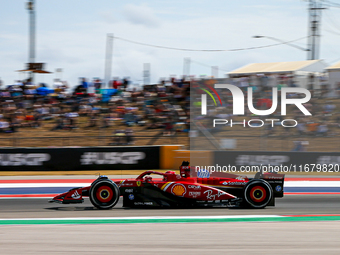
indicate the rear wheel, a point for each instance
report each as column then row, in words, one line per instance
column 104, row 194
column 258, row 193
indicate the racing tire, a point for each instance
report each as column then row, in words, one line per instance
column 104, row 194
column 258, row 194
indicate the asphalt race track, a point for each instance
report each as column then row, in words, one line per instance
column 200, row 238
column 288, row 205
column 318, row 237
column 300, row 237
column 47, row 233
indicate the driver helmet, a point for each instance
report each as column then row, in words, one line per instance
column 148, row 178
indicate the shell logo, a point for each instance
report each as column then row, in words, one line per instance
column 178, row 190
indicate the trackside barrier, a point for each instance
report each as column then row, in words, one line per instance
column 92, row 158
column 157, row 157
column 80, row 158
column 268, row 160
column 292, row 161
column 168, row 154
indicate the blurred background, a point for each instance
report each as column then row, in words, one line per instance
column 65, row 76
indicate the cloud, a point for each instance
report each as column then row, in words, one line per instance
column 141, row 15
column 80, row 49
column 108, row 16
column 79, row 46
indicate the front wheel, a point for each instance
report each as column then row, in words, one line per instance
column 104, row 194
column 258, row 193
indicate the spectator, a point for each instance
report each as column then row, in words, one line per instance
column 115, row 84
column 37, row 120
column 71, row 118
column 311, row 128
column 84, row 83
column 125, row 84
column 322, row 130
column 168, row 128
column 57, row 85
column 300, row 145
column 129, row 118
column 4, row 125
column 59, row 124
column 97, row 85
column 118, row 138
column 329, row 107
column 301, row 128
column 13, row 123
column 106, row 119
column 129, row 136
column 93, row 119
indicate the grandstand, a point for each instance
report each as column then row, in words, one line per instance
column 157, row 115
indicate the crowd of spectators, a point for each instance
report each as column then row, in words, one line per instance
column 163, row 106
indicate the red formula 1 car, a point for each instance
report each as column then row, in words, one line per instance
column 174, row 190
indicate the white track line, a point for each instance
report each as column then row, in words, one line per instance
column 157, row 217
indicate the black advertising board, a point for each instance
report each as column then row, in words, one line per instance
column 292, row 161
column 82, row 158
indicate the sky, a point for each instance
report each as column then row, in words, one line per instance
column 71, row 35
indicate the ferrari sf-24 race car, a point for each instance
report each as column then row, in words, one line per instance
column 181, row 191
